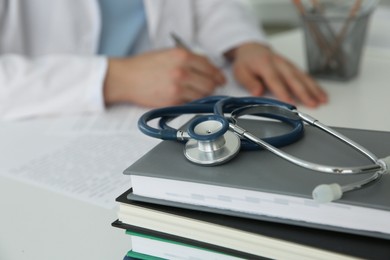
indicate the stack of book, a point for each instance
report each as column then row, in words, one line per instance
column 257, row 205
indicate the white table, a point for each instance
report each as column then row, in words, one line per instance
column 40, row 224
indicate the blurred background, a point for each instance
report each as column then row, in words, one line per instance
column 280, row 16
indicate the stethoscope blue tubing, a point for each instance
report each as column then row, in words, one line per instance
column 218, row 106
column 228, row 104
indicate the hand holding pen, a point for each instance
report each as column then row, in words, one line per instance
column 161, row 78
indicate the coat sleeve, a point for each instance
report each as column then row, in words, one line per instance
column 50, row 85
column 224, row 24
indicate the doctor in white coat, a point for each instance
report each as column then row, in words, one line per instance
column 50, row 62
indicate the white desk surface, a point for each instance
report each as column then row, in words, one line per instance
column 40, row 224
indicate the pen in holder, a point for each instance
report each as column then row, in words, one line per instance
column 335, row 33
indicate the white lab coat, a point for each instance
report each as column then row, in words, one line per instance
column 48, row 63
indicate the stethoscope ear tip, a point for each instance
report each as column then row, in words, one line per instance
column 327, row 193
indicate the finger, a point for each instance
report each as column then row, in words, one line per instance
column 308, row 84
column 302, row 86
column 316, row 91
column 187, row 59
column 296, row 85
column 203, row 66
column 183, row 93
column 191, row 84
column 199, row 82
column 249, row 80
column 270, row 76
column 189, row 93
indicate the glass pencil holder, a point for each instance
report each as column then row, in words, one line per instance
column 335, row 33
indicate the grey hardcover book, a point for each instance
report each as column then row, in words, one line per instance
column 260, row 185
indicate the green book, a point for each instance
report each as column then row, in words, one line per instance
column 152, row 247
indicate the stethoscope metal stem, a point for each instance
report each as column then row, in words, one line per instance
column 308, row 165
column 360, row 184
column 314, row 122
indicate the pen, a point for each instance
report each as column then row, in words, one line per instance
column 179, row 42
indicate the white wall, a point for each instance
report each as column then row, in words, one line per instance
column 277, row 12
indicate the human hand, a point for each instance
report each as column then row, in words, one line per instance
column 257, row 67
column 161, row 78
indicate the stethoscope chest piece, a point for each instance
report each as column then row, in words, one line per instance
column 211, row 142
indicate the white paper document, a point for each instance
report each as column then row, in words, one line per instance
column 81, row 156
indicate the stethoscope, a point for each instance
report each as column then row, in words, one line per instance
column 213, row 138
